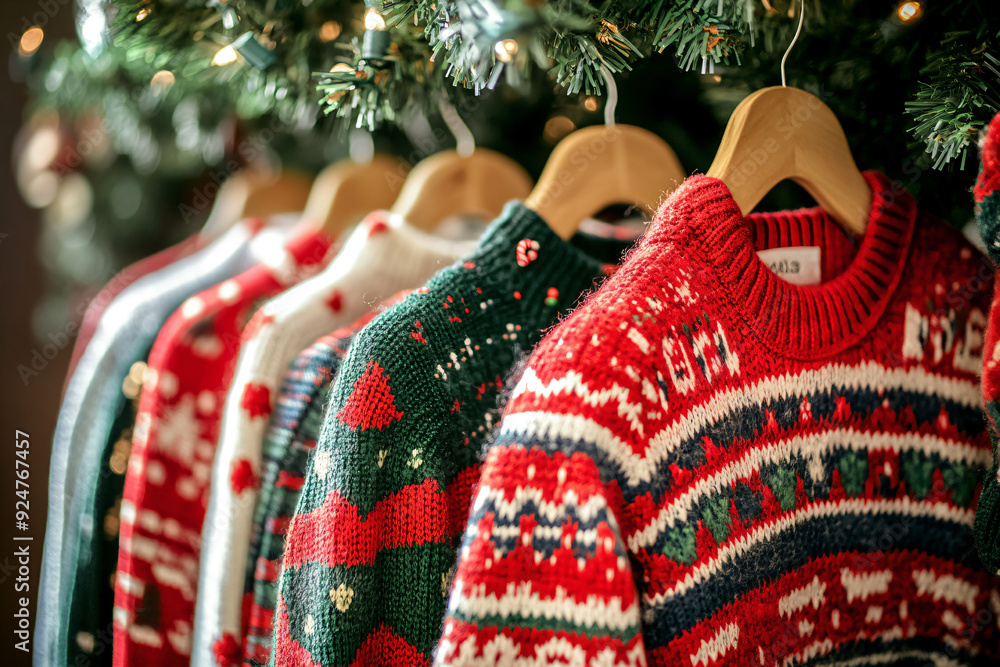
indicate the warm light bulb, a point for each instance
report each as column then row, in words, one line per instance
column 225, row 56
column 506, row 50
column 374, row 20
column 590, row 104
column 557, row 127
column 329, row 31
column 342, row 68
column 30, row 41
column 162, row 81
column 143, row 13
column 909, row 11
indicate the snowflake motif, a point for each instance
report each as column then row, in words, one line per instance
column 341, row 597
column 415, row 460
column 446, row 579
column 321, row 464
column 179, row 430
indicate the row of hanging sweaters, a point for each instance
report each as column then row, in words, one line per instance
column 396, row 449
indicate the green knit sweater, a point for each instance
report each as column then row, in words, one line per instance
column 371, row 550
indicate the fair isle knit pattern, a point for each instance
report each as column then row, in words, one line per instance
column 383, row 255
column 706, row 465
column 369, row 554
column 173, row 443
column 987, row 199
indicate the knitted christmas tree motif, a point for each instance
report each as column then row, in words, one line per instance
column 371, row 404
column 386, row 522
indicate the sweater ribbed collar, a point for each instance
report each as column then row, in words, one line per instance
column 798, row 321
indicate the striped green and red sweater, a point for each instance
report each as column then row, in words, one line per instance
column 707, row 465
column 370, row 552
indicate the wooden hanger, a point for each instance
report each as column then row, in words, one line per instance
column 447, row 184
column 783, row 133
column 347, row 191
column 602, row 165
column 255, row 193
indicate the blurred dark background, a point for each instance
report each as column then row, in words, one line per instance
column 29, row 407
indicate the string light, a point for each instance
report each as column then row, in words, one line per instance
column 329, row 31
column 225, row 56
column 557, row 127
column 590, row 104
column 30, row 41
column 142, row 14
column 506, row 50
column 374, row 20
column 162, row 81
column 909, row 11
column 375, row 42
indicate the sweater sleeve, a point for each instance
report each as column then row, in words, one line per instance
column 543, row 572
column 987, row 207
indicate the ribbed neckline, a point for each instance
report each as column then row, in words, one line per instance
column 800, row 321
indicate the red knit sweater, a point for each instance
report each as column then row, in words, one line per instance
column 708, row 465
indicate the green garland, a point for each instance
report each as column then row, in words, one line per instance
column 442, row 46
column 961, row 94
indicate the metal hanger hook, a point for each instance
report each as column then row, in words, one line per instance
column 465, row 142
column 612, row 103
column 361, row 146
column 802, row 14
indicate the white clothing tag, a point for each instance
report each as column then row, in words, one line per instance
column 799, row 266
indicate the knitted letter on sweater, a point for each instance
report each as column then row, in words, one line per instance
column 708, row 465
column 369, row 554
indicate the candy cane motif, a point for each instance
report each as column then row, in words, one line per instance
column 527, row 252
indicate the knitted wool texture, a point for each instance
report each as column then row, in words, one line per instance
column 987, row 201
column 173, row 444
column 382, row 256
column 124, row 335
column 291, row 437
column 708, row 465
column 369, row 554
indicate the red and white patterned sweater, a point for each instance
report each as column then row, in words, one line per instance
column 177, row 427
column 707, row 465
